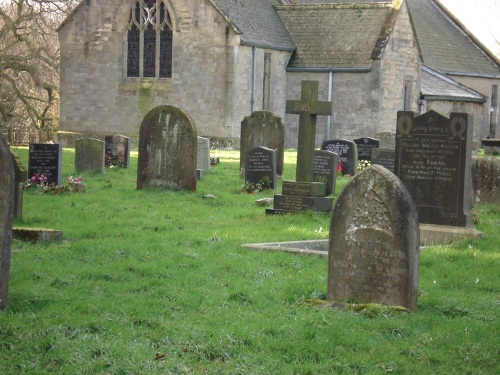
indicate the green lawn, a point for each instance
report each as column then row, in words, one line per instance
column 156, row 282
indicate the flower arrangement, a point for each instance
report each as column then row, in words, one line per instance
column 41, row 182
column 74, row 180
column 252, row 187
column 362, row 164
column 38, row 180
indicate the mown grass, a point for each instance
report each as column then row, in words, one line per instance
column 146, row 274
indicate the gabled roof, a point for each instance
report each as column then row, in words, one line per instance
column 337, row 36
column 437, row 86
column 257, row 22
column 446, row 45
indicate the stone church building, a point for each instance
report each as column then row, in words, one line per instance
column 220, row 60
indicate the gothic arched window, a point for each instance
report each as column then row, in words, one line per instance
column 149, row 40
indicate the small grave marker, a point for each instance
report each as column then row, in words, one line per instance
column 89, row 155
column 117, row 151
column 203, row 153
column 45, row 159
column 374, row 242
column 167, row 150
column 347, row 152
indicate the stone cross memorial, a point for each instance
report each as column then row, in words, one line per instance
column 7, row 186
column 89, row 155
column 433, row 159
column 117, row 151
column 347, row 152
column 261, row 162
column 167, row 150
column 305, row 194
column 45, row 159
column 374, row 242
column 262, row 128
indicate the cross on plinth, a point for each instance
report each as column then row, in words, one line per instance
column 308, row 107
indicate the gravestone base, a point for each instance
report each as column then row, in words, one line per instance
column 431, row 235
column 295, row 203
column 304, row 189
column 37, row 234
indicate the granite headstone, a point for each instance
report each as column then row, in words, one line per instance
column 117, row 151
column 347, row 152
column 365, row 147
column 261, row 162
column 374, row 242
column 45, row 159
column 325, row 169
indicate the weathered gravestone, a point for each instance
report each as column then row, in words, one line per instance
column 117, row 151
column 433, row 159
column 20, row 179
column 260, row 162
column 7, row 187
column 305, row 194
column 167, row 150
column 347, row 152
column 374, row 242
column 89, row 155
column 385, row 154
column 365, row 147
column 262, row 128
column 203, row 153
column 325, row 169
column 45, row 159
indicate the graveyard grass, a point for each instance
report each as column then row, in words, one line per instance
column 156, row 282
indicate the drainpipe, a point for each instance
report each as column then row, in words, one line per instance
column 329, row 118
column 254, row 77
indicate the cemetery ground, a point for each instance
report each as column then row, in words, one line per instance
column 156, row 282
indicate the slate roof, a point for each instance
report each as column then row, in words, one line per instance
column 444, row 43
column 337, row 36
column 437, row 86
column 257, row 22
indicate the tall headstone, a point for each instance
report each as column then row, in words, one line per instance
column 89, row 155
column 433, row 159
column 261, row 162
column 305, row 194
column 117, row 151
column 374, row 242
column 385, row 154
column 347, row 152
column 262, row 128
column 21, row 177
column 203, row 153
column 325, row 169
column 7, row 187
column 45, row 159
column 167, row 150
column 365, row 147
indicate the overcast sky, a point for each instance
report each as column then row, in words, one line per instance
column 481, row 17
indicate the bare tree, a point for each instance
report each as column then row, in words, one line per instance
column 29, row 63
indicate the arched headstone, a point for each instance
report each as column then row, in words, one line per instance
column 167, row 150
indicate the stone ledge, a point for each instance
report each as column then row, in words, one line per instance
column 37, row 234
column 431, row 235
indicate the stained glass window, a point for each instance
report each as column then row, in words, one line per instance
column 149, row 40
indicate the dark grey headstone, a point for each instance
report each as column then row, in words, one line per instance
column 325, row 169
column 167, row 150
column 89, row 155
column 203, row 153
column 261, row 162
column 433, row 159
column 347, row 152
column 374, row 242
column 45, row 159
column 7, row 186
column 365, row 146
column 262, row 128
column 384, row 157
column 117, row 151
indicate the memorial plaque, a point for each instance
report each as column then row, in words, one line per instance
column 365, row 147
column 325, row 169
column 117, row 151
column 433, row 159
column 384, row 157
column 89, row 155
column 374, row 242
column 45, row 159
column 261, row 162
column 347, row 152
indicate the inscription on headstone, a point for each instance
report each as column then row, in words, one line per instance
column 261, row 162
column 117, row 151
column 433, row 159
column 45, row 159
column 167, row 150
column 325, row 169
column 365, row 147
column 262, row 128
column 374, row 242
column 384, row 157
column 89, row 155
column 7, row 185
column 347, row 152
